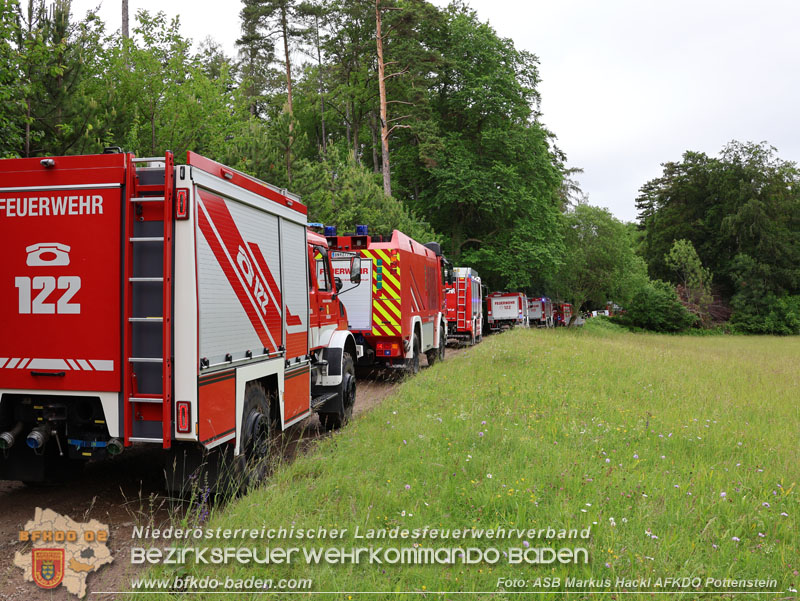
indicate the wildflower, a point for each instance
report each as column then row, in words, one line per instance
column 761, row 534
column 526, row 544
column 714, row 546
column 483, row 423
column 480, row 433
column 608, row 460
column 723, row 494
column 677, row 486
column 635, row 456
column 784, row 514
column 735, row 539
column 408, row 487
column 765, row 504
column 488, row 475
column 608, row 565
column 404, row 441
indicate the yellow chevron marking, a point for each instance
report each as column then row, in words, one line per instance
column 385, row 313
column 393, row 306
column 392, row 279
column 386, row 258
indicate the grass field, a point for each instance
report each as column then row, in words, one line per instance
column 680, row 453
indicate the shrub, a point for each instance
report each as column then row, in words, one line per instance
column 656, row 307
column 767, row 315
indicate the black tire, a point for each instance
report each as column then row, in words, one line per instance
column 256, row 439
column 412, row 364
column 347, row 397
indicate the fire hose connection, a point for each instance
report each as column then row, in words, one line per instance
column 7, row 439
column 114, row 446
column 38, row 437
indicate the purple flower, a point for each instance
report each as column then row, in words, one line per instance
column 723, row 494
column 635, row 456
column 480, row 433
column 526, row 544
column 765, row 504
column 483, row 423
column 608, row 565
column 784, row 514
column 735, row 539
column 408, row 487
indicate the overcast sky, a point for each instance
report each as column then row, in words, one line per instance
column 626, row 84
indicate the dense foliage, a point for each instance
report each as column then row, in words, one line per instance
column 741, row 212
column 472, row 165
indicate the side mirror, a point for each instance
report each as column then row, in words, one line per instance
column 355, row 270
column 338, row 283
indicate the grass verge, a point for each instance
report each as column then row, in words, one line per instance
column 680, row 453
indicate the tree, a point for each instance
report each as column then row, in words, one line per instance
column 740, row 211
column 599, row 263
column 694, row 280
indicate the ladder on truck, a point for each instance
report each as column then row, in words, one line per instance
column 461, row 302
column 147, row 338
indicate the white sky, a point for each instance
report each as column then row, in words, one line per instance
column 626, row 84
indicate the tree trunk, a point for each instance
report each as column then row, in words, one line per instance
column 387, row 183
column 285, row 32
column 125, row 32
column 321, row 91
column 373, row 128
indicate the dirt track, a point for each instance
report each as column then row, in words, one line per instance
column 126, row 492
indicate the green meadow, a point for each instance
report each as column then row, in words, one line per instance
column 679, row 453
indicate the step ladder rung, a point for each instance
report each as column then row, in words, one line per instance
column 145, row 359
column 145, row 279
column 139, row 399
column 146, row 319
column 147, row 199
column 148, row 239
column 145, row 439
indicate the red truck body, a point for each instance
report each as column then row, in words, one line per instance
column 148, row 302
column 562, row 314
column 464, row 306
column 405, row 302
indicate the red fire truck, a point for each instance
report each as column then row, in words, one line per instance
column 506, row 310
column 464, row 306
column 402, row 314
column 162, row 304
column 562, row 313
column 540, row 312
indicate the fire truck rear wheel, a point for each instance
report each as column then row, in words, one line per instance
column 347, row 394
column 256, row 435
column 437, row 354
column 412, row 364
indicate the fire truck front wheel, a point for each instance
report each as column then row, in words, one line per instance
column 347, row 397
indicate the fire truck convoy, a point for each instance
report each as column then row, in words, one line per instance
column 540, row 312
column 505, row 310
column 464, row 307
column 402, row 313
column 148, row 302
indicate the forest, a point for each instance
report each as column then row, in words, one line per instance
column 400, row 114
